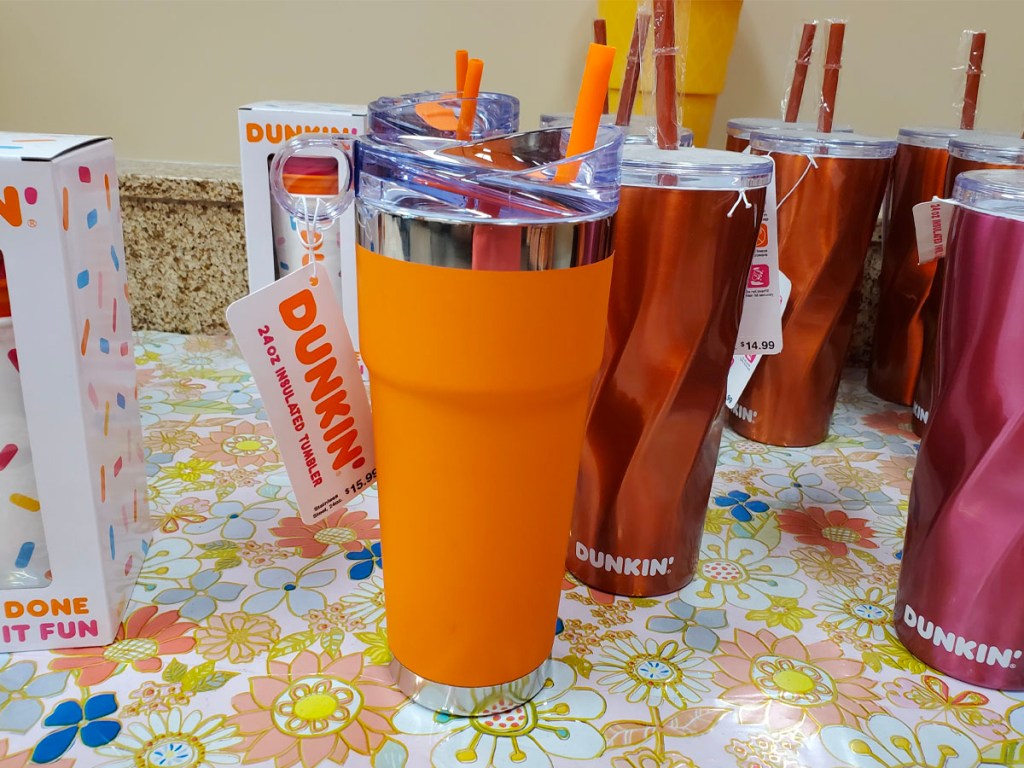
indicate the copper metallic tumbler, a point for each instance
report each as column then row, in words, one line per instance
column 830, row 187
column 958, row 605
column 684, row 238
column 919, row 174
column 972, row 151
column 739, row 129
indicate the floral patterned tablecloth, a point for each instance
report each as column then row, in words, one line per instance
column 256, row 639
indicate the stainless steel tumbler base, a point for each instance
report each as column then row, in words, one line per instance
column 468, row 702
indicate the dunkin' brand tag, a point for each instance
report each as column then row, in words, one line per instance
column 931, row 222
column 742, row 367
column 760, row 324
column 294, row 338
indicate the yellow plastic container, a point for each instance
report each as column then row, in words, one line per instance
column 711, row 31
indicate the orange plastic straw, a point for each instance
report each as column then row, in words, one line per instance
column 631, row 78
column 973, row 81
column 601, row 38
column 803, row 60
column 461, row 62
column 470, row 90
column 665, row 73
column 830, row 81
column 587, row 118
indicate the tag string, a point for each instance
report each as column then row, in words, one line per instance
column 312, row 230
column 810, row 164
column 741, row 199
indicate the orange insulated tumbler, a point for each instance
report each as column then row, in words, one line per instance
column 483, row 294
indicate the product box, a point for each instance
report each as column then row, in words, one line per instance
column 275, row 242
column 74, row 524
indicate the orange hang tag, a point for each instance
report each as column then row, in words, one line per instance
column 294, row 338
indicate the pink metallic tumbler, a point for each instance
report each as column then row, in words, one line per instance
column 958, row 605
column 972, row 151
column 685, row 232
column 919, row 174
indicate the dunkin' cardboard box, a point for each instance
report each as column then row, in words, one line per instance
column 276, row 243
column 74, row 524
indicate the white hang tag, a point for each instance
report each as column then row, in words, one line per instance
column 931, row 222
column 743, row 366
column 760, row 324
column 293, row 335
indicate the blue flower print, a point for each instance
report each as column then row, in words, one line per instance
column 698, row 626
column 237, row 521
column 156, row 460
column 74, row 719
column 298, row 589
column 241, row 395
column 201, row 600
column 21, row 691
column 794, row 489
column 740, row 506
column 365, row 561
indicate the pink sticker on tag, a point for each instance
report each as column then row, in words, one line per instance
column 294, row 338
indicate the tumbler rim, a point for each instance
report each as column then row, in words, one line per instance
column 930, row 137
column 646, row 165
column 817, row 144
column 998, row 192
column 441, row 180
column 996, row 148
column 743, row 127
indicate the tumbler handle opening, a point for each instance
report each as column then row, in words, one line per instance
column 329, row 208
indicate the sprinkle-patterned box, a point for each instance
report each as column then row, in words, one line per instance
column 61, row 244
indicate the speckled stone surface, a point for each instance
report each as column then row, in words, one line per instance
column 184, row 243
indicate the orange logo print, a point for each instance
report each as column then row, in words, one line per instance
column 10, row 207
column 762, row 236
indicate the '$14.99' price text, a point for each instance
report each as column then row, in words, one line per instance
column 363, row 482
column 758, row 346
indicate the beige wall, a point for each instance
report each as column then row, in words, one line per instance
column 165, row 77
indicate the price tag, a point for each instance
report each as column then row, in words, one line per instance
column 742, row 367
column 293, row 335
column 931, row 223
column 760, row 324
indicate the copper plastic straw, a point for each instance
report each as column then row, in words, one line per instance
column 973, row 81
column 665, row 73
column 655, row 422
column 830, row 81
column 631, row 77
column 803, row 61
column 601, row 38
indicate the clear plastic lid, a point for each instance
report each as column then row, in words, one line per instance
column 523, row 178
column 932, row 138
column 816, row 144
column 995, row 148
column 998, row 192
column 432, row 113
column 645, row 165
column 742, row 127
column 639, row 131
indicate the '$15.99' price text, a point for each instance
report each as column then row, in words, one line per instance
column 758, row 346
column 363, row 482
